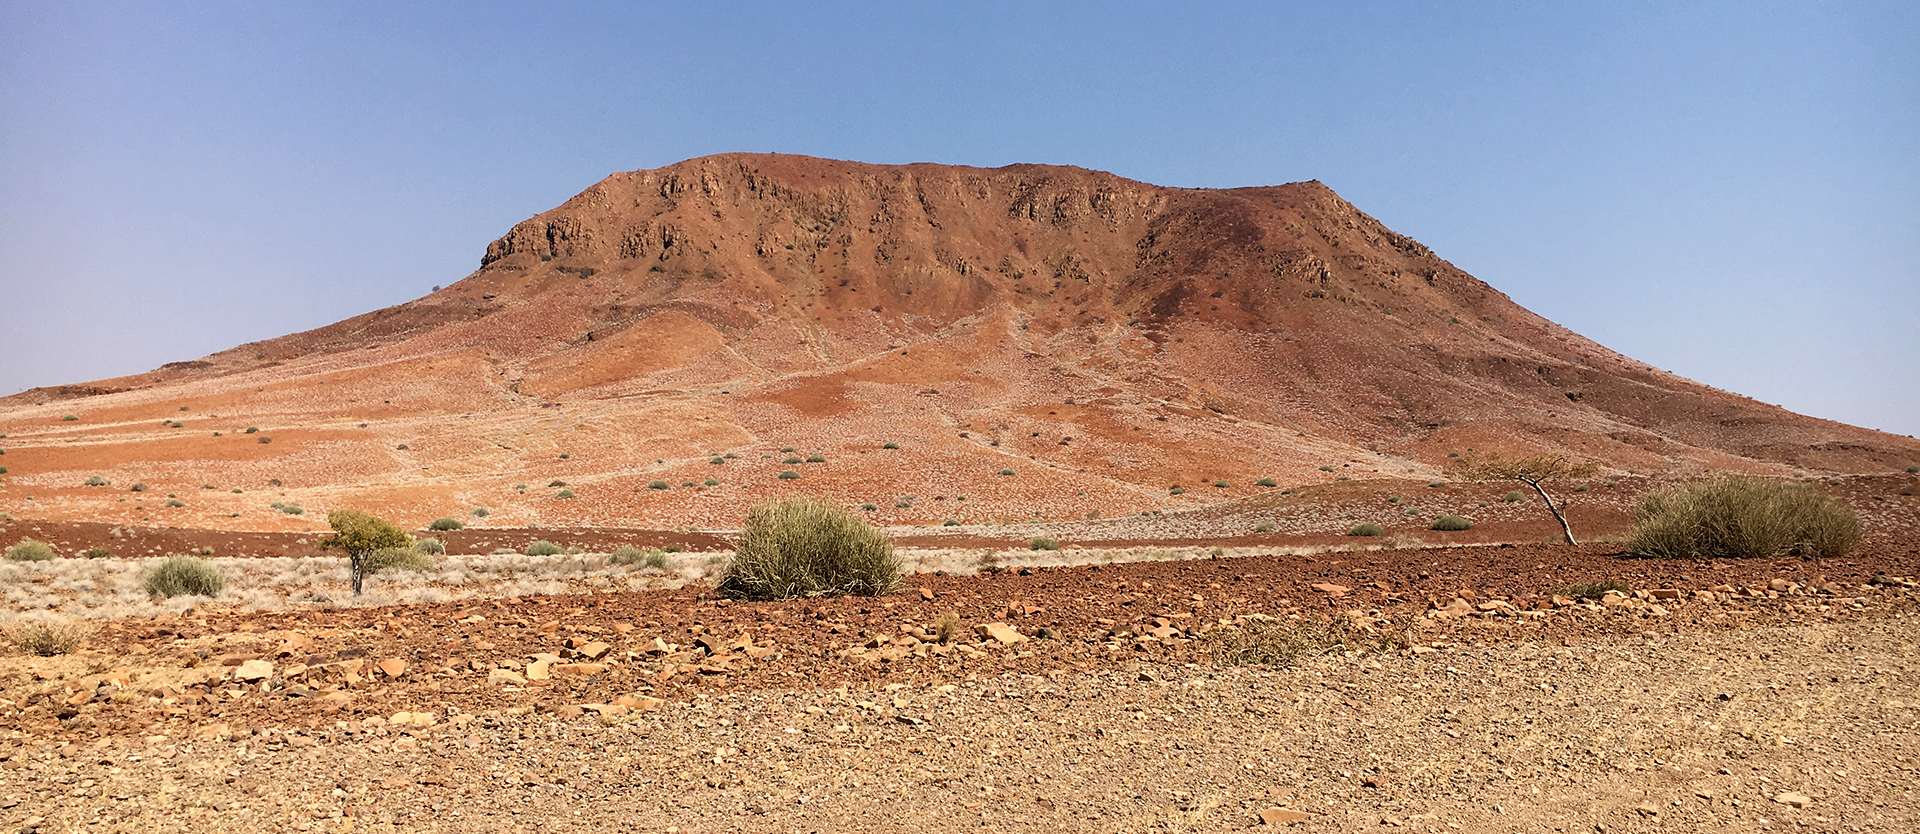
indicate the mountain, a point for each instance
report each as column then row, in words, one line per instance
column 1102, row 339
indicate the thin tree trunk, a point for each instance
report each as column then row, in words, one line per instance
column 354, row 565
column 1557, row 516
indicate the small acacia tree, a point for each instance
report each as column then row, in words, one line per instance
column 1531, row 471
column 360, row 534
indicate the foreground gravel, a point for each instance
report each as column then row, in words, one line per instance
column 1690, row 730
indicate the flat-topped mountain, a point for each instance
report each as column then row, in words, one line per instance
column 664, row 343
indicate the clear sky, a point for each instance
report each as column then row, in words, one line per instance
column 1729, row 191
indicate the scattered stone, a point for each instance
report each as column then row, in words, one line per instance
column 253, row 670
column 392, row 667
column 506, row 676
column 1793, row 799
column 594, row 650
column 926, row 594
column 1332, row 589
column 1001, row 632
column 1283, row 816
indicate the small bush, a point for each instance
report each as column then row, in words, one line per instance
column 544, row 548
column 273, row 482
column 480, row 512
column 947, row 627
column 29, row 550
column 1451, row 523
column 869, row 507
column 1583, row 488
column 174, row 502
column 1266, row 482
column 138, row 487
column 565, row 493
column 253, row 430
column 1005, row 472
column 1514, row 497
column 1590, row 590
column 1394, row 499
column 659, row 485
column 1437, row 484
column 1263, row 527
column 1273, row 642
column 96, row 480
column 672, row 548
column 71, row 417
column 789, row 475
column 1910, row 470
column 444, row 524
column 791, row 460
column 265, row 439
column 1736, row 517
column 431, row 546
column 184, row 576
column 892, row 445
column 712, row 482
column 566, row 456
column 1176, row 491
column 805, row 548
column 950, row 523
column 98, row 553
column 293, row 509
column 627, row 554
column 1367, row 528
column 786, row 448
column 397, row 558
column 1220, row 484
column 551, row 484
column 1043, row 543
column 1326, row 469
column 47, row 639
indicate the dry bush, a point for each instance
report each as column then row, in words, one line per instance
column 1590, row 590
column 627, row 554
column 1367, row 528
column 430, row 546
column 947, row 628
column 29, row 550
column 544, row 548
column 1043, row 543
column 1736, row 517
column 396, row 558
column 184, row 576
column 1451, row 524
column 1272, row 642
column 443, row 524
column 802, row 547
column 47, row 638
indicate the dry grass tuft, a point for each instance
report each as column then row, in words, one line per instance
column 803, row 547
column 47, row 638
column 1736, row 517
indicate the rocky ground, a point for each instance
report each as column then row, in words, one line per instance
column 1466, row 695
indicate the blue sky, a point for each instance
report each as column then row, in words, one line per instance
column 1730, row 191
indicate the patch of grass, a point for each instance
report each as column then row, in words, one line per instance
column 1367, row 528
column 98, row 553
column 443, row 524
column 1220, row 484
column 292, row 509
column 1590, row 590
column 1913, row 470
column 816, row 457
column 1283, row 643
column 47, row 638
column 431, row 546
column 1266, row 482
column 1437, row 484
column 184, row 576
column 1451, row 523
column 947, row 627
column 1006, row 472
column 1263, row 527
column 712, row 482
column 565, row 493
column 95, row 480
column 1175, row 490
column 1043, row 543
column 1583, row 488
column 397, row 558
column 253, row 430
column 801, row 547
column 552, row 484
column 1326, row 469
column 788, row 475
column 892, row 445
column 1735, row 517
column 950, row 523
column 791, row 460
column 175, row 502
column 786, row 448
column 869, row 507
column 70, row 418
column 1514, row 497
column 1394, row 499
column 544, row 548
column 480, row 512
column 29, row 550
column 265, row 439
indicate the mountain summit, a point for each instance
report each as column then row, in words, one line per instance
column 1098, row 338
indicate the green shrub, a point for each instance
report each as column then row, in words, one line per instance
column 1451, row 523
column 789, row 475
column 544, row 548
column 273, row 482
column 869, row 507
column 431, row 546
column 184, row 576
column 3, row 470
column 786, row 448
column 47, row 639
column 1514, row 497
column 71, row 417
column 138, row 487
column 1043, row 543
column 480, row 512
column 892, row 445
column 791, row 460
column 1735, row 517
column 98, row 553
column 174, row 502
column 1437, row 484
column 1175, row 490
column 253, row 430
column 397, row 558
column 265, row 439
column 1265, row 482
column 816, row 457
column 1583, row 488
column 551, row 484
column 565, row 493
column 96, row 480
column 627, row 554
column 716, row 460
column 1263, row 527
column 444, row 524
column 1367, row 528
column 950, row 523
column 29, row 550
column 1590, row 590
column 1394, row 499
column 292, row 509
column 805, row 548
column 712, row 482
column 1005, row 472
column 1910, row 470
column 659, row 485
column 1326, row 469
column 1221, row 484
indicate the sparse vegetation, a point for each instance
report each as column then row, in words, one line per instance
column 1910, row 470
column 565, row 493
column 551, row 484
column 816, row 457
column 96, row 480
column 253, row 430
column 1532, row 471
column 950, row 523
column 805, row 548
column 786, row 448
column 1272, row 642
column 791, row 460
column 712, row 482
column 627, row 554
column 70, row 417
column 1326, row 469
column 892, row 445
column 292, row 509
column 360, row 534
column 175, row 502
column 137, row 487
column 947, row 627
column 788, row 475
column 98, row 553
column 480, row 512
column 1590, row 590
column 1736, row 517
column 29, row 550
column 398, row 558
column 1263, row 527
column 1043, row 543
column 1006, row 472
column 544, row 548
column 1221, row 484
column 1436, row 484
column 869, row 507
column 430, row 546
column 1514, row 497
column 1176, row 490
column 443, row 524
column 1451, row 523
column 1266, row 482
column 182, row 575
column 1367, row 528
column 47, row 638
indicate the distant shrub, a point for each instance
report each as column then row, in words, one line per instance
column 659, row 485
column 686, row 484
column 805, row 548
column 652, row 557
column 551, row 484
column 716, row 460
column 184, row 576
column 869, row 507
column 480, row 512
column 1326, row 469
column 1583, row 488
column 712, row 482
column 1394, row 499
column 946, row 628
column 786, row 448
column 3, row 470
column 1910, row 470
column 47, row 639
column 1514, row 497
column 672, row 548
column 816, row 457
column 273, row 482
column 791, row 460
column 789, row 475
column 1221, row 484
column 138, row 487
column 265, row 439
column 1263, row 527
column 1174, row 490
column 1437, row 484
column 1451, row 523
column 292, row 509
column 1590, row 590
column 96, row 480
column 566, row 456
column 397, row 558
column 444, row 524
column 950, row 523
column 1006, row 472
column 1735, row 517
column 565, row 493
column 1265, row 482
column 98, row 553
column 71, row 417
column 175, row 502
column 1281, row 643
column 253, row 430
column 29, row 550
column 1042, row 543
column 431, row 546
column 544, row 548
column 1367, row 528
column 892, row 445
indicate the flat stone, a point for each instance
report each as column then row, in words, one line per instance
column 1796, row 800
column 1001, row 632
column 253, row 670
column 1664, row 593
column 539, row 670
column 392, row 667
column 926, row 593
column 1332, row 589
column 1283, row 816
column 579, row 670
column 594, row 650
column 506, row 676
column 639, row 703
